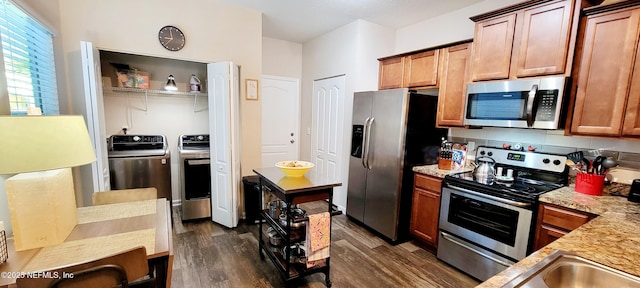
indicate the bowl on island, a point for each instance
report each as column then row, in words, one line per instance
column 294, row 168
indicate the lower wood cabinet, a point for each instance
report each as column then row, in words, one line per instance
column 555, row 221
column 425, row 209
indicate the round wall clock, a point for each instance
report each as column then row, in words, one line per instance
column 171, row 38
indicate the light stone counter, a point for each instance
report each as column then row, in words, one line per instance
column 432, row 170
column 611, row 239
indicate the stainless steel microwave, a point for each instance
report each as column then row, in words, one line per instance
column 531, row 103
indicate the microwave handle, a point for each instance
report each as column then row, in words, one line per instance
column 530, row 105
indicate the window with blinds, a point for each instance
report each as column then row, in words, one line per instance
column 27, row 49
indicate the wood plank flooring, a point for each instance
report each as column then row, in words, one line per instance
column 210, row 255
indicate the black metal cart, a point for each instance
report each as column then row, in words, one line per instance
column 292, row 190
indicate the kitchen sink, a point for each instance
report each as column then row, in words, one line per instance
column 563, row 269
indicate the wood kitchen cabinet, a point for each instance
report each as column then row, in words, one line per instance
column 452, row 94
column 421, row 69
column 607, row 94
column 425, row 209
column 533, row 38
column 554, row 222
column 391, row 73
column 418, row 69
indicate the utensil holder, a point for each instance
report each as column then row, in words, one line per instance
column 590, row 184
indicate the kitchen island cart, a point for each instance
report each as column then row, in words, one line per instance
column 292, row 191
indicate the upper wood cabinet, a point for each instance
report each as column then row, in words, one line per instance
column 493, row 44
column 452, row 94
column 445, row 67
column 421, row 69
column 391, row 73
column 607, row 93
column 416, row 69
column 533, row 38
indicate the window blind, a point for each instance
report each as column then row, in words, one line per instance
column 27, row 49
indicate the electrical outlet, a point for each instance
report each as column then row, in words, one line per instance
column 471, row 146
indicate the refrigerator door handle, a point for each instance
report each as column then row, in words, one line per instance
column 369, row 123
column 364, row 143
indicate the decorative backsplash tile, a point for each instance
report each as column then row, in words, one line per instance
column 625, row 159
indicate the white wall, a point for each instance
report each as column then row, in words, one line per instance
column 351, row 50
column 281, row 58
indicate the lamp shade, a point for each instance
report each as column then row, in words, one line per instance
column 38, row 143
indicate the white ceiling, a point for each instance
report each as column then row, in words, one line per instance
column 302, row 20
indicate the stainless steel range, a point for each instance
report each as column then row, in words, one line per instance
column 486, row 226
column 195, row 176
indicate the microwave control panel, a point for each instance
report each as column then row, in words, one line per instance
column 547, row 101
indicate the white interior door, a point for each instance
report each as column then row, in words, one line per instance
column 327, row 126
column 225, row 142
column 95, row 118
column 280, row 119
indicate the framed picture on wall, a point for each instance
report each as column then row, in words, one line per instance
column 251, row 89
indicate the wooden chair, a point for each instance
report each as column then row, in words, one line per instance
column 113, row 271
column 124, row 195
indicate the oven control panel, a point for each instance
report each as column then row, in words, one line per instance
column 199, row 141
column 526, row 159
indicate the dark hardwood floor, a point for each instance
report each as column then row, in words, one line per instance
column 211, row 255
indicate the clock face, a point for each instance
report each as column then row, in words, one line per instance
column 171, row 38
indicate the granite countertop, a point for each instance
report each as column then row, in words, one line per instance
column 611, row 239
column 432, row 170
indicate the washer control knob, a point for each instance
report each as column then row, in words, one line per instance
column 556, row 162
column 482, row 152
column 490, row 153
column 137, row 138
column 546, row 161
column 200, row 137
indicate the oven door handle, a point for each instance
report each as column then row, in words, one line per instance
column 194, row 162
column 506, row 201
column 450, row 238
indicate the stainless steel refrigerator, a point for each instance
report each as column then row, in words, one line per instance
column 392, row 131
